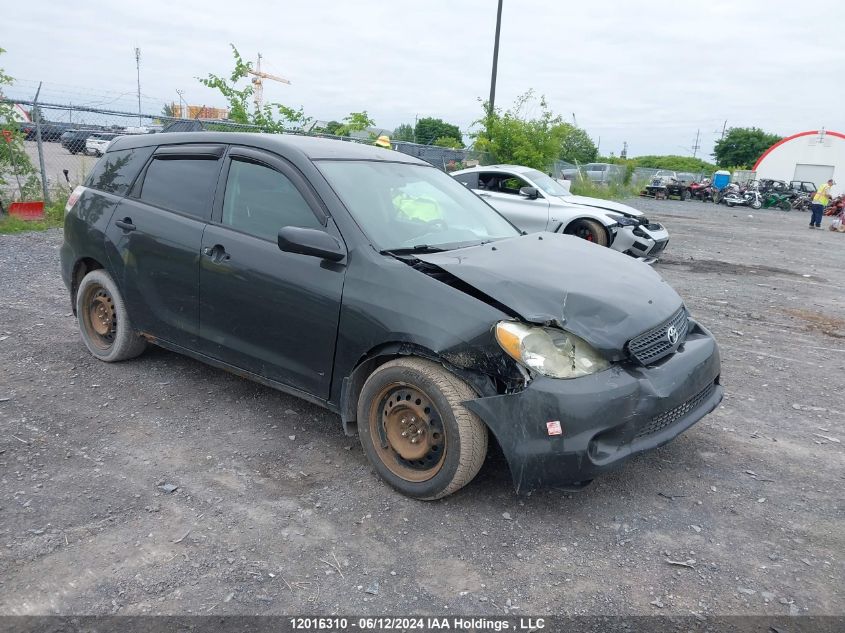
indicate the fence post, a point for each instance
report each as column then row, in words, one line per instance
column 44, row 188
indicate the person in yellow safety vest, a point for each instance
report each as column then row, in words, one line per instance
column 820, row 201
column 383, row 141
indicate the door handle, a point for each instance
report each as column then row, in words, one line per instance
column 125, row 224
column 217, row 253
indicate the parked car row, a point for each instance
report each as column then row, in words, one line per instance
column 371, row 283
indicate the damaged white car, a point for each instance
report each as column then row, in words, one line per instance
column 535, row 202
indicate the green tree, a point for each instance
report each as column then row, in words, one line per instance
column 167, row 110
column 576, row 146
column 404, row 132
column 511, row 137
column 742, row 146
column 332, row 127
column 428, row 130
column 271, row 117
column 447, row 141
column 676, row 163
column 17, row 175
column 354, row 122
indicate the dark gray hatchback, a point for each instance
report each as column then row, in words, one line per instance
column 374, row 285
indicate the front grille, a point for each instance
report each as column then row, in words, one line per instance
column 658, row 248
column 653, row 345
column 660, row 422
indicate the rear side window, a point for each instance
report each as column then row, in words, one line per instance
column 469, row 180
column 260, row 201
column 115, row 171
column 181, row 184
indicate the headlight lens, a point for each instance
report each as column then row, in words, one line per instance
column 549, row 351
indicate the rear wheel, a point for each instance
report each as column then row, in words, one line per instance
column 784, row 205
column 589, row 230
column 415, row 431
column 104, row 321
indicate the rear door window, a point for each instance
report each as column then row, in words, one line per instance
column 115, row 171
column 182, row 184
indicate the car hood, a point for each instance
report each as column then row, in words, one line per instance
column 602, row 296
column 607, row 205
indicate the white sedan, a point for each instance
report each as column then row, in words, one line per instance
column 96, row 144
column 534, row 202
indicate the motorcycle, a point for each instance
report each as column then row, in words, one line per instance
column 801, row 202
column 779, row 200
column 734, row 196
column 702, row 191
column 836, row 206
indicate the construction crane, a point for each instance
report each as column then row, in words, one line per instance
column 258, row 82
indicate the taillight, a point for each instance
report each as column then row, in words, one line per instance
column 74, row 196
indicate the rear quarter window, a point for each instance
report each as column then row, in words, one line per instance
column 116, row 171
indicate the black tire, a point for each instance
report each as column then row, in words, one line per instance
column 417, row 396
column 103, row 320
column 589, row 230
column 686, row 195
column 784, row 205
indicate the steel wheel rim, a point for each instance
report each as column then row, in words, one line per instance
column 407, row 432
column 99, row 316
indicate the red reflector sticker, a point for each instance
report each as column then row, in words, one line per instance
column 554, row 428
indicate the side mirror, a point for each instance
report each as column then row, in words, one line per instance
column 529, row 192
column 294, row 239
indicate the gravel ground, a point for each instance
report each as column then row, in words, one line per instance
column 276, row 511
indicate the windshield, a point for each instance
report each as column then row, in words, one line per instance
column 401, row 206
column 546, row 184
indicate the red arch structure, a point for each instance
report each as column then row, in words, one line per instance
column 789, row 138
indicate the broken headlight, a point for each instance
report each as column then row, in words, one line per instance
column 549, row 351
column 626, row 221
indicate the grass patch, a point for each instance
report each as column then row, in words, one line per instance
column 612, row 191
column 54, row 217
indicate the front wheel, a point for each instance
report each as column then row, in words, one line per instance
column 755, row 204
column 103, row 320
column 589, row 230
column 784, row 205
column 415, row 431
column 686, row 195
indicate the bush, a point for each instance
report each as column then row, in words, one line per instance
column 612, row 191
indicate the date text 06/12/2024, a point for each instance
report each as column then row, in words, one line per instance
column 455, row 623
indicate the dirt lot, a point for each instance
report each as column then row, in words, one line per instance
column 277, row 511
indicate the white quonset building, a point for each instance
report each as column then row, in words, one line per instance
column 814, row 156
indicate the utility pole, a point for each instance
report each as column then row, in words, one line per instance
column 138, row 70
column 574, row 120
column 724, row 127
column 695, row 145
column 37, row 112
column 491, row 105
column 182, row 104
column 624, row 153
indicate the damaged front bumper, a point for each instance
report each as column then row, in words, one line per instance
column 605, row 418
column 645, row 242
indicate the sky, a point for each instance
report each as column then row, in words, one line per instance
column 651, row 73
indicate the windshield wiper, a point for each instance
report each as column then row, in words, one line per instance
column 412, row 250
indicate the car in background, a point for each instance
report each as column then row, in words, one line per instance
column 96, row 144
column 74, row 140
column 49, row 131
column 535, row 202
column 802, row 186
column 603, row 173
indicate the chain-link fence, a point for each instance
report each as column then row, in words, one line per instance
column 73, row 137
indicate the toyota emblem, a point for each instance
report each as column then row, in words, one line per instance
column 672, row 334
